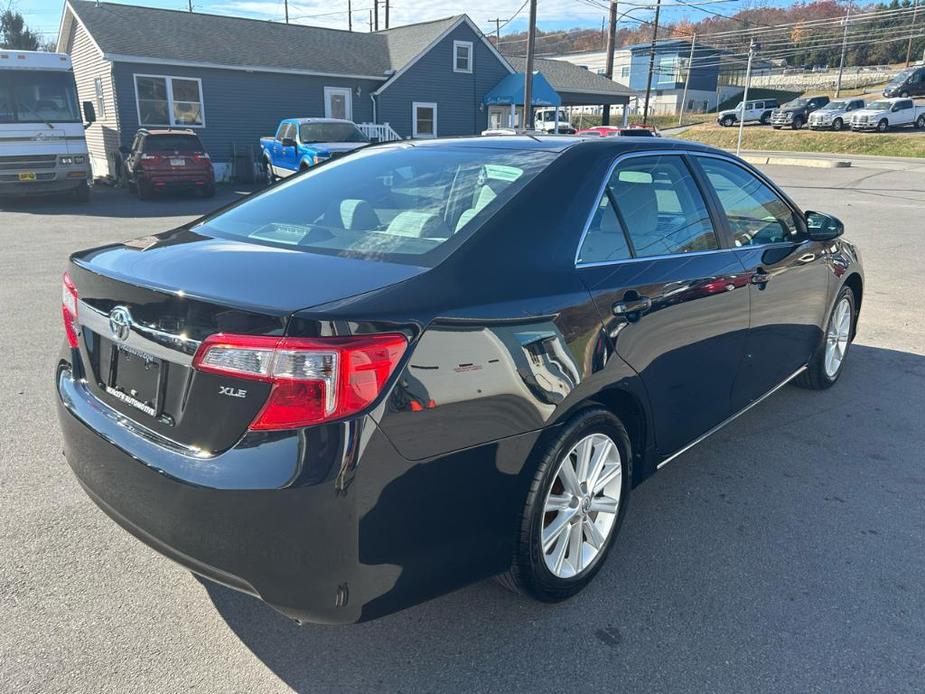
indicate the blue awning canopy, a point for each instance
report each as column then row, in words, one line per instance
column 510, row 90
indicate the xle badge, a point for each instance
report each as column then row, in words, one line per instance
column 232, row 392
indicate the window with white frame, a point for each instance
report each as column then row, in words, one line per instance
column 423, row 119
column 462, row 56
column 100, row 101
column 170, row 101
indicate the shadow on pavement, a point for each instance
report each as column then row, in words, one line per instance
column 119, row 203
column 782, row 554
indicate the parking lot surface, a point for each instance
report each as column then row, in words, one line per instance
column 786, row 553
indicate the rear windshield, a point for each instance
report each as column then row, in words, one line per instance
column 330, row 132
column 397, row 203
column 636, row 132
column 172, row 143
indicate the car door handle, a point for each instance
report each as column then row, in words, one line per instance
column 807, row 258
column 760, row 278
column 631, row 303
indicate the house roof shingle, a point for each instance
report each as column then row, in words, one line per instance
column 172, row 35
column 568, row 77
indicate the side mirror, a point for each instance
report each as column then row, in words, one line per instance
column 89, row 112
column 288, row 142
column 823, row 227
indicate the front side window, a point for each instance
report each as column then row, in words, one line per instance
column 424, row 119
column 660, row 207
column 392, row 203
column 756, row 214
column 462, row 56
column 169, row 101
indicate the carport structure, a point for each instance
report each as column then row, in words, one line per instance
column 575, row 85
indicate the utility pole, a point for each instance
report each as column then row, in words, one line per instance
column 645, row 108
column 376, row 13
column 608, row 69
column 349, row 15
column 752, row 47
column 497, row 21
column 687, row 80
column 915, row 11
column 528, row 69
column 286, row 3
column 844, row 47
column 386, row 14
column 190, row 3
column 370, row 18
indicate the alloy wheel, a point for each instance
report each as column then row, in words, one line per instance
column 837, row 337
column 581, row 506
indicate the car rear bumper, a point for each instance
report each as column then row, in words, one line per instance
column 177, row 181
column 327, row 524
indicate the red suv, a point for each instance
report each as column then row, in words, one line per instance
column 167, row 159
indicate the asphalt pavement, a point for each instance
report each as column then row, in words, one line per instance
column 784, row 554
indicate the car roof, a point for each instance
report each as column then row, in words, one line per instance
column 556, row 143
column 171, row 131
column 303, row 121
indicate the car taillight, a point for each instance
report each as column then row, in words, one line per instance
column 314, row 380
column 202, row 155
column 69, row 309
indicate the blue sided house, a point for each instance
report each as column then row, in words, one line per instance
column 233, row 79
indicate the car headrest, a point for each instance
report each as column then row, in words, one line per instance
column 422, row 225
column 351, row 215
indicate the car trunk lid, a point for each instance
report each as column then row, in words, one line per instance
column 146, row 305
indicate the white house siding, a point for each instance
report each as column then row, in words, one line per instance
column 102, row 136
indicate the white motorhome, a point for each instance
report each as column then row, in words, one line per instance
column 42, row 144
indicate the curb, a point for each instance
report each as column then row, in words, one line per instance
column 797, row 161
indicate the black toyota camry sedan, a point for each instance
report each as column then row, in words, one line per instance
column 429, row 363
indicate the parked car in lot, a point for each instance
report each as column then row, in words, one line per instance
column 754, row 111
column 300, row 143
column 883, row 114
column 835, row 114
column 377, row 382
column 618, row 131
column 794, row 114
column 909, row 82
column 162, row 160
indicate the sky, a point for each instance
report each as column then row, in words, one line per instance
column 552, row 15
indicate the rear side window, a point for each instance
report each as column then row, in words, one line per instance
column 395, row 203
column 756, row 214
column 172, row 143
column 651, row 206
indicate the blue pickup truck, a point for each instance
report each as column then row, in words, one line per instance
column 300, row 143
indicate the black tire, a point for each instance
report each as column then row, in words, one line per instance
column 883, row 125
column 920, row 122
column 838, row 124
column 143, row 190
column 765, row 118
column 727, row 121
column 209, row 191
column 269, row 177
column 797, row 123
column 904, row 94
column 816, row 377
column 529, row 574
column 82, row 192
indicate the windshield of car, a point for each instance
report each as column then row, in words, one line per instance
column 881, row 106
column 393, row 203
column 38, row 96
column 902, row 76
column 837, row 105
column 330, row 132
column 796, row 103
column 172, row 143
